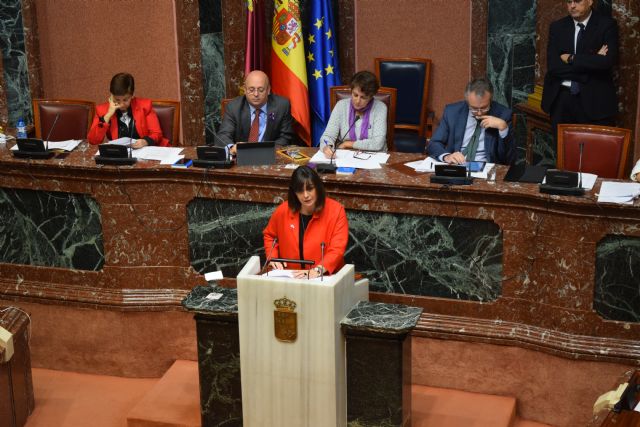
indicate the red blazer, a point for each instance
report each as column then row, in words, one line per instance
column 145, row 118
column 329, row 226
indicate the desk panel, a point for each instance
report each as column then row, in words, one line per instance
column 499, row 259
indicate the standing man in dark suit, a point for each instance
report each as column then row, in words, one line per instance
column 581, row 54
column 257, row 116
column 476, row 129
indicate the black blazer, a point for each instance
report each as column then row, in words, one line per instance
column 236, row 122
column 592, row 71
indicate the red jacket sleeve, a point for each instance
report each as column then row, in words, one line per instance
column 98, row 129
column 338, row 239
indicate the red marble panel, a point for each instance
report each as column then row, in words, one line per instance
column 424, row 29
column 234, row 30
column 190, row 71
column 346, row 38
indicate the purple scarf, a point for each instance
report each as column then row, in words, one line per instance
column 364, row 127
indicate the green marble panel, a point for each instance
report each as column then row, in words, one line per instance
column 617, row 282
column 50, row 229
column 407, row 254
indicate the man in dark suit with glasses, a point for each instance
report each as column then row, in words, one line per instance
column 581, row 53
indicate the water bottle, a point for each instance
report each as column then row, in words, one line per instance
column 22, row 129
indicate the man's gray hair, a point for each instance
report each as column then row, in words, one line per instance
column 479, row 87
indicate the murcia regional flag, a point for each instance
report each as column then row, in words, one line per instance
column 288, row 70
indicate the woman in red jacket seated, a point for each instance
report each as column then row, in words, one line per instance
column 124, row 115
column 305, row 223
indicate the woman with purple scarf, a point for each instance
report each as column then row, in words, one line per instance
column 361, row 121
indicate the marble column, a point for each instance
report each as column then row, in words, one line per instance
column 213, row 64
column 190, row 71
column 379, row 363
column 16, row 94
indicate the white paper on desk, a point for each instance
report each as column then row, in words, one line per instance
column 345, row 158
column 213, row 275
column 429, row 165
column 637, row 408
column 126, row 141
column 157, row 153
column 618, row 192
column 68, row 145
column 286, row 274
column 588, row 180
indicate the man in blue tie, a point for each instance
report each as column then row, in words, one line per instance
column 476, row 129
column 257, row 116
column 581, row 52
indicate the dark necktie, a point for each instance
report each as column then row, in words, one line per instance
column 575, row 86
column 255, row 127
column 471, row 148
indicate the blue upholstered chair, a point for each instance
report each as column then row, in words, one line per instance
column 410, row 76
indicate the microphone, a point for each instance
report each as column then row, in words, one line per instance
column 580, row 165
column 131, row 136
column 266, row 261
column 331, row 168
column 322, row 245
column 55, row 122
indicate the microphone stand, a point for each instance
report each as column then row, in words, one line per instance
column 322, row 245
column 266, row 261
column 580, row 166
column 55, row 122
column 331, row 168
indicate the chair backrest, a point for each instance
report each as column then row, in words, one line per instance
column 169, row 117
column 223, row 106
column 74, row 121
column 411, row 77
column 385, row 94
column 605, row 149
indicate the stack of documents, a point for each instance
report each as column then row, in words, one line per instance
column 623, row 193
column 352, row 159
column 166, row 155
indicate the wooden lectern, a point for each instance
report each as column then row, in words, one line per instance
column 292, row 351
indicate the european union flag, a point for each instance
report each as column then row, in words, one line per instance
column 322, row 65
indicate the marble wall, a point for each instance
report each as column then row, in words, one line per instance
column 403, row 254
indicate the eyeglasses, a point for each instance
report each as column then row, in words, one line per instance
column 256, row 89
column 479, row 110
column 362, row 155
column 573, row 1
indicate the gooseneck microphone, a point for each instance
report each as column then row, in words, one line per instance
column 322, row 245
column 131, row 137
column 331, row 168
column 266, row 261
column 53, row 126
column 580, row 165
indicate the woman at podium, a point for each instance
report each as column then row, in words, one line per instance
column 124, row 115
column 359, row 122
column 309, row 225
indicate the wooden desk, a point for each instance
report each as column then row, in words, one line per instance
column 136, row 239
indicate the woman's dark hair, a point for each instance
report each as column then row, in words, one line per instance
column 303, row 177
column 366, row 81
column 122, row 84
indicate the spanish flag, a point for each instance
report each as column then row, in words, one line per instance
column 288, row 70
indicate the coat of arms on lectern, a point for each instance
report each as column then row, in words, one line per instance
column 285, row 320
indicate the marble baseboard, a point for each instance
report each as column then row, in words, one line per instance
column 535, row 338
column 93, row 297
